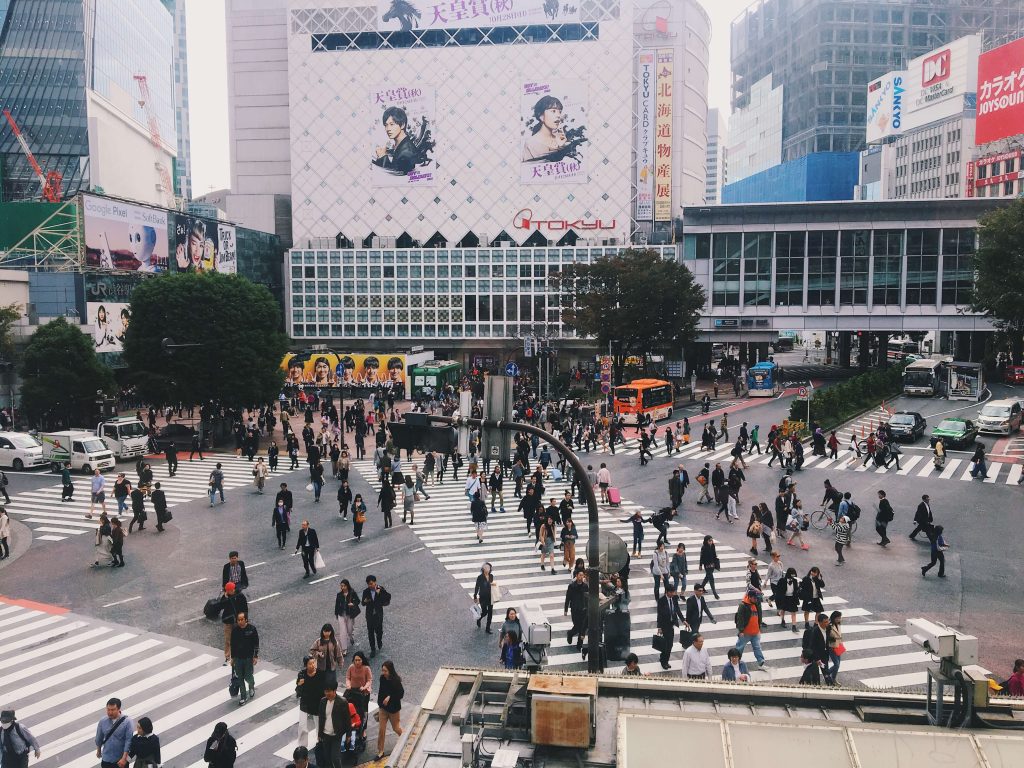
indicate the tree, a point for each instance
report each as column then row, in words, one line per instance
column 198, row 337
column 999, row 267
column 9, row 315
column 636, row 301
column 61, row 376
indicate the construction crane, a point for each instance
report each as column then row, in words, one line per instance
column 53, row 181
column 166, row 185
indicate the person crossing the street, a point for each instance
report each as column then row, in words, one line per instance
column 923, row 518
column 16, row 741
column 113, row 735
column 309, row 544
column 883, row 517
column 245, row 654
column 216, row 483
column 375, row 600
column 938, row 549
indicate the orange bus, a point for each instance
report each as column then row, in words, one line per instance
column 651, row 397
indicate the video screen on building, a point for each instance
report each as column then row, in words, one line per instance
column 121, row 236
column 204, row 245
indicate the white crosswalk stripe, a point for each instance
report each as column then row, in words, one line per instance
column 443, row 525
column 57, row 520
column 182, row 687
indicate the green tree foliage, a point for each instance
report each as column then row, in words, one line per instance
column 999, row 264
column 226, row 336
column 836, row 404
column 9, row 315
column 61, row 376
column 638, row 301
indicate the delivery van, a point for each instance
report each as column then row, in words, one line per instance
column 81, row 447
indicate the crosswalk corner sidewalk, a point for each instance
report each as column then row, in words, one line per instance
column 32, row 605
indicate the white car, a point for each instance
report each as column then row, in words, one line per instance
column 20, row 450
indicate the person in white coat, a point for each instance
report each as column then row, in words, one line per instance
column 5, row 534
column 660, row 568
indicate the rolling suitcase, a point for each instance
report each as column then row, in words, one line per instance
column 614, row 498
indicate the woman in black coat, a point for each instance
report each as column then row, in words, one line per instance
column 221, row 748
column 390, row 693
column 812, row 587
column 482, row 595
column 709, row 563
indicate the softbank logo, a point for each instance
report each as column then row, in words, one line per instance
column 935, row 68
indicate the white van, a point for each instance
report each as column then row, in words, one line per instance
column 1001, row 417
column 82, row 448
column 20, row 450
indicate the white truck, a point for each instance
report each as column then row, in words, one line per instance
column 125, row 436
column 81, row 447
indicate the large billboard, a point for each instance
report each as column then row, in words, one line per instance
column 204, row 245
column 553, row 120
column 333, row 369
column 108, row 310
column 885, row 107
column 401, row 152
column 645, row 109
column 663, row 136
column 407, row 15
column 1000, row 93
column 941, row 83
column 123, row 236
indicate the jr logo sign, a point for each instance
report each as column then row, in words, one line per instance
column 935, row 68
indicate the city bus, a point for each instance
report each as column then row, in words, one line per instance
column 763, row 380
column 436, row 374
column 925, row 378
column 899, row 348
column 651, row 397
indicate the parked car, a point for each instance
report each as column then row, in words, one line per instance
column 907, row 425
column 20, row 450
column 180, row 435
column 955, row 432
column 1014, row 374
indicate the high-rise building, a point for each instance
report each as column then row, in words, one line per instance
column 67, row 75
column 183, row 163
column 717, row 157
column 825, row 52
column 755, row 132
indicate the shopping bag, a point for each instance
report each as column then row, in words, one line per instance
column 477, row 612
column 318, row 560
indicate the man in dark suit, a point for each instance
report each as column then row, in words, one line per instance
column 923, row 518
column 234, row 571
column 333, row 724
column 309, row 544
column 375, row 599
column 815, row 645
column 669, row 619
column 697, row 608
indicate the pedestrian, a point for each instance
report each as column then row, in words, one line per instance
column 494, row 485
column 478, row 513
column 327, row 651
column 724, row 426
column 113, row 735
column 812, row 587
column 273, row 452
column 697, row 609
column 390, row 693
column 704, row 481
column 216, row 483
column 259, row 474
column 833, row 445
column 788, row 596
column 797, row 523
column 333, row 725
column 99, row 496
column 280, row 521
column 638, row 520
column 421, row 479
column 546, row 541
column 836, row 648
column 121, row 490
column 5, row 534
column 604, row 480
column 748, row 624
column 245, row 654
column 938, row 549
column 675, row 489
column 775, row 576
column 482, row 596
column 375, row 600
column 16, row 741
column 346, row 610
column 67, row 487
column 697, row 661
column 978, row 460
column 408, row 501
column 221, row 748
column 569, row 536
column 883, row 517
column 103, row 540
column 196, row 446
column 709, row 563
column 815, row 647
column 735, row 670
column 576, row 598
column 854, row 445
column 309, row 544
column 386, row 501
column 309, row 689
column 144, row 747
column 669, row 618
column 138, row 509
column 894, row 455
column 659, row 568
column 841, row 530
column 754, row 528
column 171, row 454
column 358, row 516
column 116, row 543
column 923, row 518
column 677, row 568
column 344, row 499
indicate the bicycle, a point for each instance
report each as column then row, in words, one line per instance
column 821, row 518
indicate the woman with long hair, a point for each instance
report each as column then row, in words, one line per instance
column 326, row 650
column 346, row 609
column 358, row 516
column 389, row 698
column 482, row 595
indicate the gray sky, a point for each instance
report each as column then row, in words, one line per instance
column 207, row 68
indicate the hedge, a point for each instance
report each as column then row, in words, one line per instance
column 834, row 405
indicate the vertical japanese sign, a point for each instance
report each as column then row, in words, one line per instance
column 645, row 137
column 970, row 178
column 663, row 137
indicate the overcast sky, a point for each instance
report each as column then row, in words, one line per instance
column 207, row 68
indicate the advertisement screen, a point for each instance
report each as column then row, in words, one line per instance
column 349, row 369
column 403, row 136
column 663, row 137
column 885, row 107
column 203, row 245
column 123, row 236
column 107, row 309
column 554, row 132
column 645, row 137
column 1000, row 93
column 407, row 15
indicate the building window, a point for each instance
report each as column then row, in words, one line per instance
column 821, row 268
column 725, row 284
column 888, row 253
column 789, row 269
column 957, row 265
column 853, row 267
column 757, row 268
column 922, row 265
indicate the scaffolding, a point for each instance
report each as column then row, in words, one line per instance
column 55, row 245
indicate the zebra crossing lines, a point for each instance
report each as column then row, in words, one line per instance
column 182, row 687
column 57, row 520
column 863, row 425
column 443, row 526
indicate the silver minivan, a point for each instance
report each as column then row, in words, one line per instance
column 1001, row 417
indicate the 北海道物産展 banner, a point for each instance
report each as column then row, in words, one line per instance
column 553, row 121
column 407, row 15
column 402, row 147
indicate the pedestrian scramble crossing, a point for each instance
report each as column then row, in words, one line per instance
column 58, row 669
column 54, row 520
column 878, row 654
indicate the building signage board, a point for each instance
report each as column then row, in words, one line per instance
column 203, row 245
column 553, row 128
column 941, row 83
column 885, row 107
column 663, row 136
column 645, row 111
column 124, row 236
column 403, row 135
column 1000, row 93
column 408, row 15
